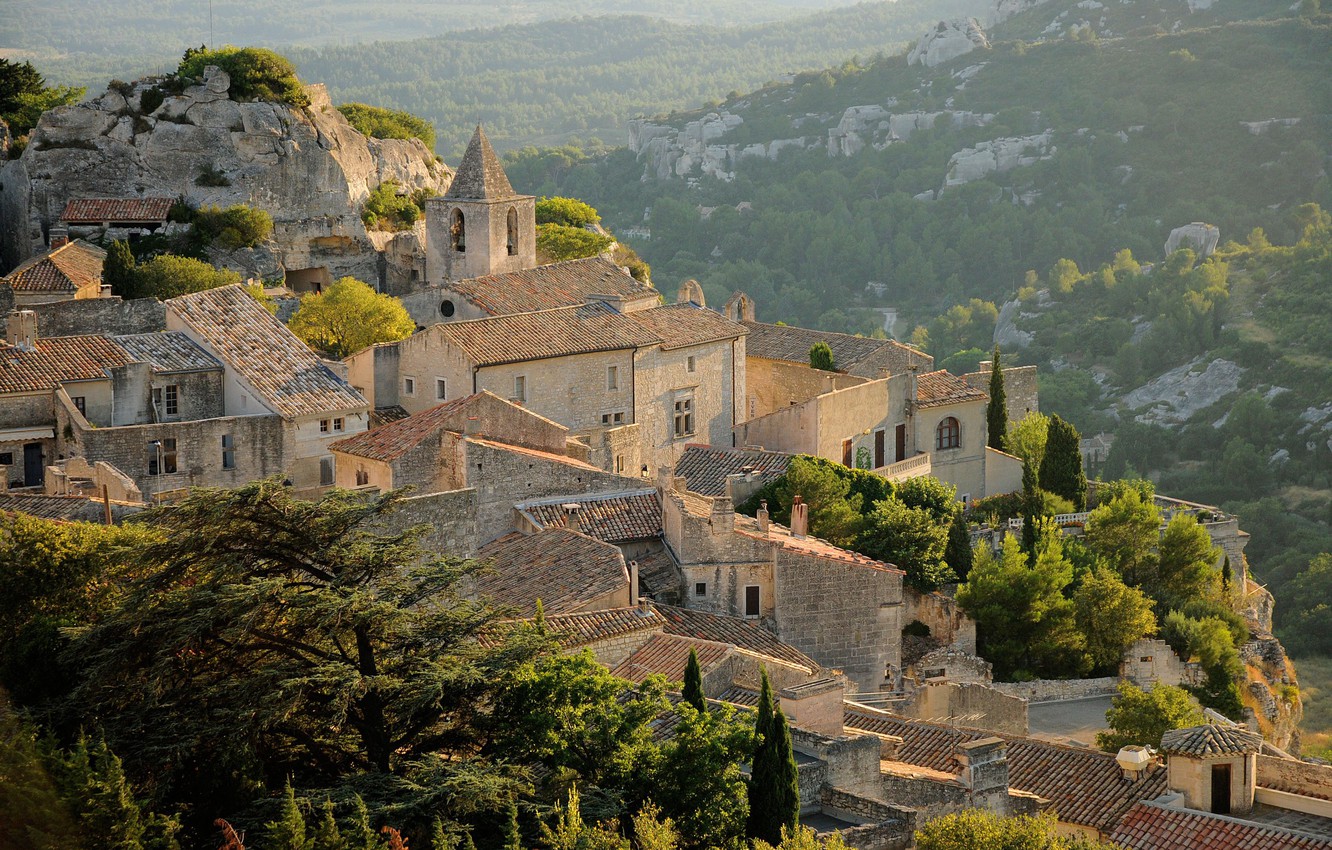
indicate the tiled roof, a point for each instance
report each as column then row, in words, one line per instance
column 480, row 175
column 68, row 269
column 564, row 569
column 63, row 508
column 57, row 359
column 792, row 345
column 668, row 655
column 942, row 387
column 384, row 415
column 1151, row 826
column 548, row 333
column 168, row 351
column 534, row 453
column 1084, row 786
column 592, row 626
column 280, row 368
column 393, row 440
column 564, row 284
column 612, row 517
column 683, row 325
column 98, row 210
column 1211, row 740
column 733, row 630
column 705, row 468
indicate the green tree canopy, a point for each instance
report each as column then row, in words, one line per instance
column 1111, row 616
column 821, row 357
column 693, row 683
column 1139, row 717
column 1026, row 437
column 24, row 96
column 1061, row 466
column 1186, row 564
column 118, row 272
column 388, row 210
column 558, row 242
column 380, row 123
column 569, row 212
column 349, row 316
column 256, row 73
column 1126, row 531
column 911, row 538
column 237, row 226
column 168, row 276
column 979, row 829
column 996, row 411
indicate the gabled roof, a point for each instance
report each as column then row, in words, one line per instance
column 168, row 351
column 393, row 440
column 564, row 284
column 281, row 369
column 98, row 210
column 1152, row 826
column 735, row 631
column 71, row 267
column 855, row 355
column 612, row 517
column 586, row 627
column 1211, row 740
column 55, row 360
column 59, row 508
column 480, row 177
column 683, row 325
column 668, row 655
column 584, row 329
column 705, row 468
column 566, row 570
column 942, row 387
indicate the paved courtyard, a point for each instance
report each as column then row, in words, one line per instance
column 1077, row 719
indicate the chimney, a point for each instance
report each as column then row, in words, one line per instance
column 1134, row 761
column 723, row 514
column 59, row 236
column 815, row 706
column 763, row 516
column 633, row 582
column 985, row 773
column 799, row 518
column 679, row 484
column 571, row 510
column 21, row 329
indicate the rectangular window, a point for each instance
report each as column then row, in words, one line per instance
column 619, row 464
column 408, row 386
column 700, row 588
column 325, row 471
column 689, row 363
column 7, row 459
column 228, row 451
column 684, row 416
column 172, row 400
column 846, row 452
column 441, row 389
column 323, row 426
column 615, row 418
column 362, row 477
column 612, row 377
column 338, row 425
column 80, row 404
column 520, row 388
column 752, row 600
column 169, row 455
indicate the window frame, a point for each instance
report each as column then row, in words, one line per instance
column 520, row 388
column 171, row 399
column 228, row 451
column 409, row 386
column 327, row 471
column 948, row 434
column 441, row 389
column 682, row 423
column 758, row 601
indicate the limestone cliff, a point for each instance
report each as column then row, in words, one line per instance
column 1271, row 689
column 308, row 168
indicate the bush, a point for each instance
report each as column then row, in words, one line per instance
column 235, row 227
column 557, row 242
column 151, row 99
column 210, row 175
column 380, row 123
column 567, row 211
column 385, row 209
column 256, row 73
column 168, row 276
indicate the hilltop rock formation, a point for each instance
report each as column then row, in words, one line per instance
column 668, row 152
column 947, row 41
column 997, row 155
column 875, row 126
column 308, row 168
column 1201, row 238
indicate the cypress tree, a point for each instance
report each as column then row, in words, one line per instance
column 1031, row 509
column 785, row 778
column 958, row 553
column 118, row 270
column 764, row 798
column 996, row 413
column 513, row 837
column 1061, row 469
column 1227, row 574
column 821, row 357
column 693, row 683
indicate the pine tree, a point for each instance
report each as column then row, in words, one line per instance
column 1061, row 469
column 288, row 831
column 1227, row 574
column 693, row 683
column 360, row 835
column 958, row 554
column 439, row 839
column 513, row 837
column 1031, row 509
column 118, row 270
column 996, row 413
column 327, row 836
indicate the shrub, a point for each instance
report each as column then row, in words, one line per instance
column 556, row 242
column 385, row 209
column 567, row 211
column 256, row 73
column 210, row 175
column 380, row 123
column 151, row 99
column 168, row 276
column 235, row 227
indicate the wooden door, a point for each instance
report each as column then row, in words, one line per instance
column 901, row 443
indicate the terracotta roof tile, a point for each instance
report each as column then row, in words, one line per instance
column 534, row 453
column 668, row 655
column 683, row 325
column 68, row 269
column 1211, row 740
column 480, row 175
column 98, row 210
column 705, row 468
column 564, row 569
column 585, row 627
column 565, row 284
column 1151, row 826
column 60, row 508
column 612, row 517
column 385, row 415
column 58, row 359
column 168, row 351
column 548, row 333
column 735, row 631
column 942, row 387
column 856, row 355
column 393, row 440
column 282, row 370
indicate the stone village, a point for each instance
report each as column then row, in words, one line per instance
column 591, row 440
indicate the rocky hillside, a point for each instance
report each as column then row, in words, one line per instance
column 308, row 168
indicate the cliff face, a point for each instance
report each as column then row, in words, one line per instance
column 308, row 168
column 1271, row 689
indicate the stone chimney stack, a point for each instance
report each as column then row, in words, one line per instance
column 21, row 329
column 985, row 773
column 59, row 236
column 722, row 517
column 816, row 706
column 679, row 484
column 799, row 518
column 763, row 516
column 571, row 521
column 633, row 582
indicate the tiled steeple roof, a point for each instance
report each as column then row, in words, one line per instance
column 480, row 177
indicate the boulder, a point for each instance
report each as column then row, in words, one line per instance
column 997, row 155
column 947, row 41
column 1202, row 238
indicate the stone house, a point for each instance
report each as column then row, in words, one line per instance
column 72, row 271
column 113, row 218
column 1021, row 393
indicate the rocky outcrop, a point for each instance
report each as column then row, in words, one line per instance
column 874, row 126
column 308, row 168
column 1201, row 238
column 669, row 152
column 1005, row 9
column 1174, row 397
column 997, row 155
column 947, row 41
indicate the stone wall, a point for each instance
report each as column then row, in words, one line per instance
column 884, row 827
column 930, row 796
column 449, row 521
column 93, row 315
column 1149, row 662
column 1020, row 390
column 613, row 650
column 776, row 384
column 944, row 616
column 1050, row 690
column 975, row 705
column 853, row 761
column 1297, row 777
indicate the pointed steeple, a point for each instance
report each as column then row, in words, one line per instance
column 480, row 177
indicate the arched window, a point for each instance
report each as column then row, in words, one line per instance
column 513, row 232
column 458, row 232
column 948, row 435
